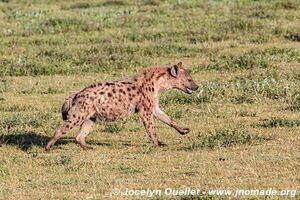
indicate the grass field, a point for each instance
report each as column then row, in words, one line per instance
column 245, row 119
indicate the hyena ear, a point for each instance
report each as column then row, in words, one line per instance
column 174, row 71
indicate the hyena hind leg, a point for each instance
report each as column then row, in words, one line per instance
column 57, row 135
column 67, row 127
column 84, row 131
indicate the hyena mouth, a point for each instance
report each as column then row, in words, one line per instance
column 189, row 91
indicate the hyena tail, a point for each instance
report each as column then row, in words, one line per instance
column 66, row 106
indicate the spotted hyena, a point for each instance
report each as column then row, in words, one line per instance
column 110, row 101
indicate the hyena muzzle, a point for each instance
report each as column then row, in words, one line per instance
column 111, row 101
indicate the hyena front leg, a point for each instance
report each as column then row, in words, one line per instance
column 166, row 119
column 84, row 131
column 147, row 119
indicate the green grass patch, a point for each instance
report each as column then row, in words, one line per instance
column 254, row 59
column 28, row 120
column 224, row 138
column 127, row 169
column 280, row 122
column 245, row 113
column 294, row 105
column 86, row 5
column 17, row 108
column 293, row 36
column 113, row 127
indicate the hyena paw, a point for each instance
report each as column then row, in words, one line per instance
column 47, row 149
column 86, row 147
column 160, row 144
column 184, row 131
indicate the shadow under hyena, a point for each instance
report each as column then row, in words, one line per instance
column 26, row 140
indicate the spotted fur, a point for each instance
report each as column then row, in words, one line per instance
column 114, row 100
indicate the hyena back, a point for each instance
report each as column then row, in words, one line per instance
column 111, row 101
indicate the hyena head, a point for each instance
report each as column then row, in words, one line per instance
column 181, row 79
